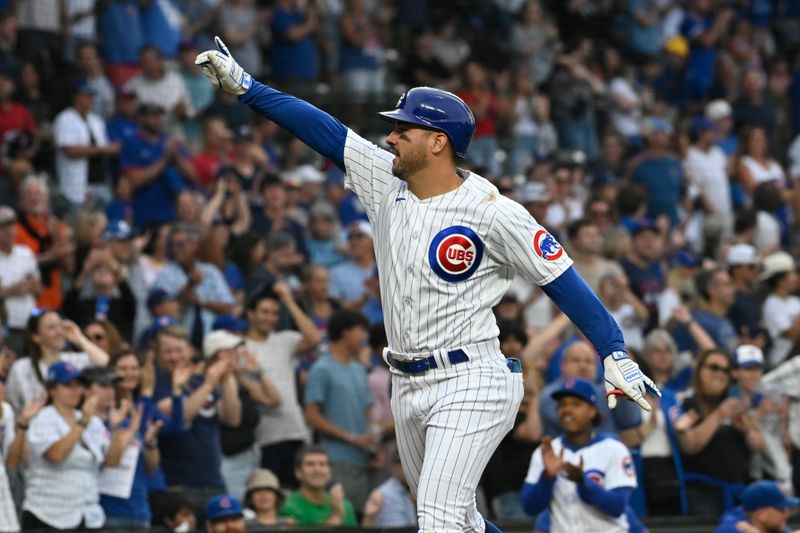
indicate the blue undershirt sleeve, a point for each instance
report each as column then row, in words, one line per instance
column 611, row 502
column 319, row 130
column 579, row 302
column 536, row 496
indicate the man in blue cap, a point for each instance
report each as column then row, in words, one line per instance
column 764, row 509
column 224, row 514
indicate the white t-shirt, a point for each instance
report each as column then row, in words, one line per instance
column 768, row 233
column 762, row 174
column 607, row 462
column 284, row 421
column 70, row 129
column 708, row 174
column 629, row 323
column 14, row 267
column 22, row 385
column 779, row 313
column 626, row 122
column 64, row 494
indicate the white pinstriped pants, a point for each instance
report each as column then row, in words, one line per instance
column 449, row 422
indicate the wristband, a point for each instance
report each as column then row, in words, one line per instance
column 22, row 426
column 83, row 422
column 151, row 445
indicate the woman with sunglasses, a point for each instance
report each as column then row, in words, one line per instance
column 67, row 449
column 104, row 334
column 716, row 436
column 47, row 335
column 135, row 385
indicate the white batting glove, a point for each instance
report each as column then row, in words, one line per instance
column 623, row 378
column 222, row 70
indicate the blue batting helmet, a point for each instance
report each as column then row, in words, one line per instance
column 438, row 110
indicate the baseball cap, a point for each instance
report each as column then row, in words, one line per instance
column 766, row 494
column 243, row 132
column 685, row 258
column 322, row 210
column 230, row 323
column 264, row 479
column 747, row 356
column 657, row 125
column 82, row 86
column 360, row 226
column 157, row 297
column 157, row 325
column 677, row 45
column 742, row 254
column 146, row 108
column 219, row 340
column 701, row 125
column 533, row 192
column 118, row 230
column 101, row 375
column 222, row 507
column 576, row 387
column 62, row 372
column 644, row 224
column 7, row 215
column 718, row 109
column 777, row 263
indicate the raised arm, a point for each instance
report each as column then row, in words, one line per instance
column 316, row 128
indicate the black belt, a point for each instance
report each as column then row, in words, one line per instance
column 423, row 364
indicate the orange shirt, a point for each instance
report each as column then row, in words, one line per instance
column 50, row 296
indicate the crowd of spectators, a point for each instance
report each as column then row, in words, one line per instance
column 191, row 313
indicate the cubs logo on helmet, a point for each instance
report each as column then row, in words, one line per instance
column 455, row 253
column 546, row 246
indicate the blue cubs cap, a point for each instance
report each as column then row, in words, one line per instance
column 576, row 387
column 230, row 323
column 763, row 494
column 437, row 110
column 157, row 297
column 685, row 258
column 222, row 507
column 702, row 125
column 644, row 224
column 62, row 372
column 118, row 230
column 82, row 86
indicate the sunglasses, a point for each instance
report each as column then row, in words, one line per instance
column 716, row 368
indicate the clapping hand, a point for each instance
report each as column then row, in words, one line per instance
column 573, row 472
column 552, row 462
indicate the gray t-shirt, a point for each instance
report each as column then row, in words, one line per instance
column 285, row 421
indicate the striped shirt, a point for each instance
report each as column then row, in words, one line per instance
column 22, row 384
column 445, row 261
column 786, row 378
column 15, row 267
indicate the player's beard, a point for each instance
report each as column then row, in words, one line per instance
column 410, row 164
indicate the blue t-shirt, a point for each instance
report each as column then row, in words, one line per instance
column 343, row 396
column 347, row 281
column 120, row 27
column 355, row 57
column 663, row 179
column 350, row 209
column 643, row 39
column 718, row 328
column 700, row 65
column 292, row 59
column 120, row 128
column 158, row 31
column 192, row 458
column 153, row 203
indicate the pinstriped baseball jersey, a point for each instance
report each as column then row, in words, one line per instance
column 444, row 262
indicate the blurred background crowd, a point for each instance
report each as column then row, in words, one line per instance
column 191, row 319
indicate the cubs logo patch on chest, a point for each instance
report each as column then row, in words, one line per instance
column 455, row 253
column 546, row 246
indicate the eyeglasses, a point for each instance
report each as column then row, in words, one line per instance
column 716, row 368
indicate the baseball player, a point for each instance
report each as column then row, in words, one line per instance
column 585, row 478
column 447, row 246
